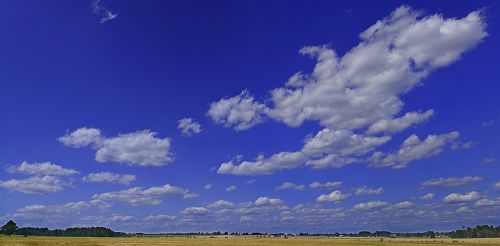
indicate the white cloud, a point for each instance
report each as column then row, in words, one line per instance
column 399, row 124
column 140, row 148
column 221, row 204
column 488, row 123
column 102, row 12
column 231, row 188
column 141, row 196
column 36, row 184
column 189, row 127
column 363, row 190
column 207, row 186
column 195, row 211
column 459, row 198
column 370, row 205
column 360, row 90
column 108, row 177
column 121, row 218
column 266, row 201
column 240, row 112
column 463, row 209
column 402, row 205
column 497, row 185
column 290, row 185
column 413, row 149
column 81, row 137
column 452, row 181
column 428, row 196
column 327, row 185
column 486, row 202
column 335, row 196
column 40, row 168
column 159, row 217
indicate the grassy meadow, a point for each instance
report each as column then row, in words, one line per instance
column 237, row 240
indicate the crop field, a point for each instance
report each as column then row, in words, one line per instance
column 238, row 240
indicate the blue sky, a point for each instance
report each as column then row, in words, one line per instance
column 250, row 116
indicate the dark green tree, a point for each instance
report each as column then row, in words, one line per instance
column 9, row 228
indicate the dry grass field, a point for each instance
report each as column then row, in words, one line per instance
column 236, row 240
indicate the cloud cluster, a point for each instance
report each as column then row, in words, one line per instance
column 459, row 198
column 140, row 148
column 189, row 127
column 363, row 190
column 358, row 95
column 141, row 196
column 46, row 177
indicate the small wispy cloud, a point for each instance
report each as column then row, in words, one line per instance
column 102, row 12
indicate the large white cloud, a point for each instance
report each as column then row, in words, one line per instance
column 141, row 196
column 357, row 94
column 36, row 184
column 40, row 168
column 140, row 148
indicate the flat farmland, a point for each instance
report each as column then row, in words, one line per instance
column 237, row 240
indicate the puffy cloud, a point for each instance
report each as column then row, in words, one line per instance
column 36, row 184
column 141, row 196
column 266, row 201
column 399, row 124
column 108, row 177
column 402, row 205
column 290, row 185
column 335, row 196
column 189, row 127
column 427, row 196
column 452, row 181
column 221, row 204
column 459, row 198
column 413, row 149
column 359, row 90
column 370, row 205
column 463, row 210
column 497, row 185
column 81, row 137
column 231, row 188
column 368, row 191
column 240, row 112
column 195, row 211
column 140, row 148
column 40, row 168
column 327, row 185
column 486, row 202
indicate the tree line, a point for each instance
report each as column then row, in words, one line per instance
column 480, row 231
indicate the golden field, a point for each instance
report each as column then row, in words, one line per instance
column 237, row 240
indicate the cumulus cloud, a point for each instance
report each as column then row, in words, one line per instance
column 485, row 202
column 36, row 184
column 402, row 205
column 335, row 196
column 427, row 196
column 239, row 112
column 108, row 177
column 231, row 188
column 358, row 92
column 141, row 196
column 363, row 190
column 327, row 185
column 266, row 201
column 221, row 204
column 159, row 217
column 459, row 198
column 40, row 168
column 413, row 148
column 497, row 185
column 140, row 148
column 189, row 127
column 290, row 185
column 195, row 211
column 102, row 12
column 370, row 205
column 452, row 181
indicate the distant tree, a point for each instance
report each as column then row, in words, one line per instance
column 9, row 228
